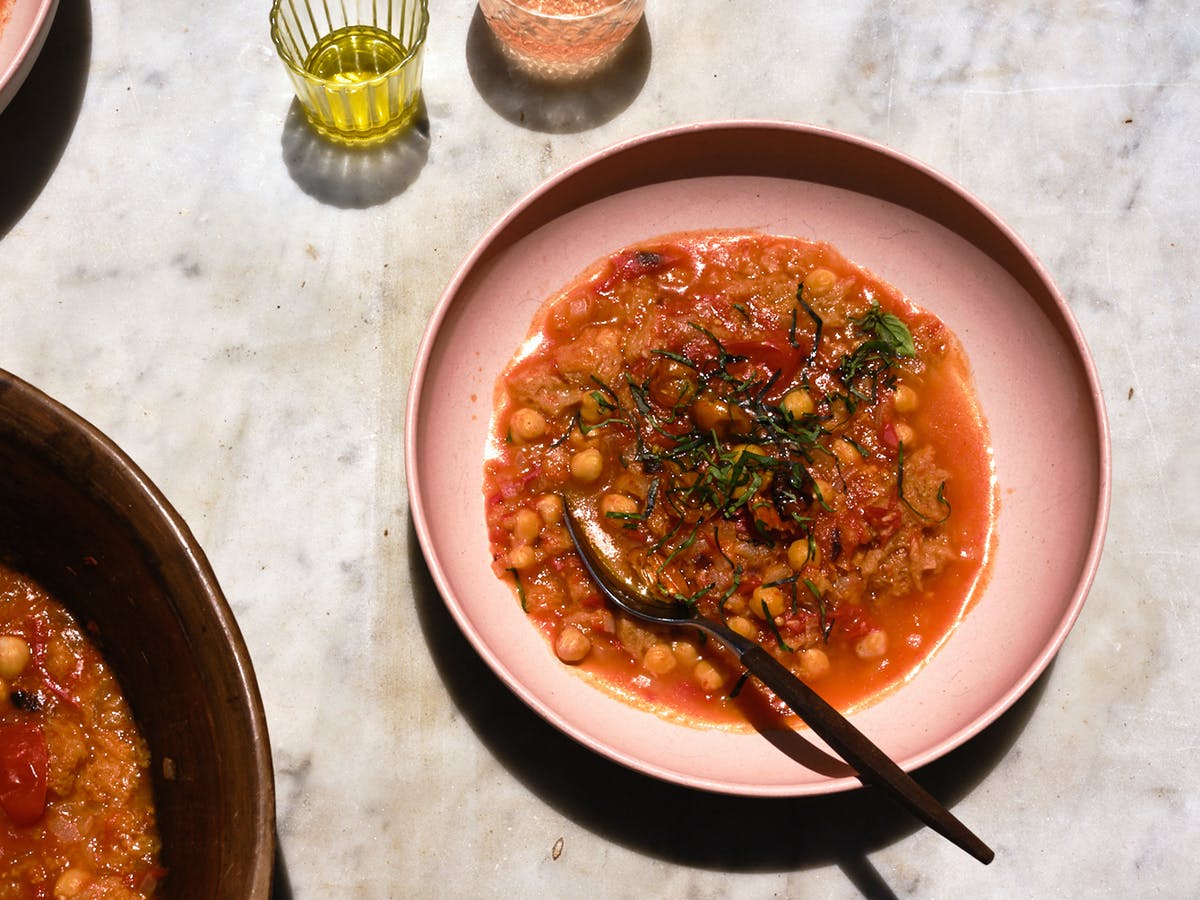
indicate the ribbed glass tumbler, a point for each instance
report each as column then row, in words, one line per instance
column 355, row 64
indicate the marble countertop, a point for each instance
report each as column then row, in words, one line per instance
column 238, row 305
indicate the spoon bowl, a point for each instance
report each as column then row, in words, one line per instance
column 858, row 751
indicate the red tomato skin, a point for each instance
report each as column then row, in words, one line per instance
column 24, row 763
column 636, row 264
column 774, row 361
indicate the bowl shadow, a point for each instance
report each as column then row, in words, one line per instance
column 354, row 177
column 37, row 124
column 556, row 107
column 599, row 794
column 281, row 884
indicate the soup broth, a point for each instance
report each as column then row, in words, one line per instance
column 762, row 429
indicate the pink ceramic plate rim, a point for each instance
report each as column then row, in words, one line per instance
column 530, row 212
column 29, row 22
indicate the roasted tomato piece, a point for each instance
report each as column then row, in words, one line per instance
column 24, row 763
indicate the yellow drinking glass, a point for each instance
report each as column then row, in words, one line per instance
column 355, row 64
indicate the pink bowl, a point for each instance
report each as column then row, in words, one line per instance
column 912, row 227
column 23, row 28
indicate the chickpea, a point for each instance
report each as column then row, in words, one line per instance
column 820, row 281
column 522, row 557
column 707, row 676
column 797, row 402
column 904, row 433
column 798, row 554
column 591, row 410
column 813, row 663
column 527, row 424
column 572, row 644
column 550, row 508
column 740, row 449
column 736, row 605
column 618, row 505
column 686, row 652
column 587, row 465
column 14, row 655
column 755, row 449
column 872, row 645
column 770, row 597
column 711, row 414
column 671, row 383
column 905, row 399
column 527, row 524
column 738, row 420
column 659, row 659
column 743, row 626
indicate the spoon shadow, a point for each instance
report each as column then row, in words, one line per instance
column 604, row 797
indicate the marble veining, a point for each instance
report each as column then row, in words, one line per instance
column 239, row 305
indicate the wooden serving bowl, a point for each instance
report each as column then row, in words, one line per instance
column 77, row 515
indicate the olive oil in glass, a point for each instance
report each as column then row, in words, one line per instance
column 355, row 54
column 359, row 55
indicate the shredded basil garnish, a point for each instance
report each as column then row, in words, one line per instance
column 520, row 589
column 775, row 628
column 816, row 347
column 755, row 467
column 825, row 625
column 738, row 685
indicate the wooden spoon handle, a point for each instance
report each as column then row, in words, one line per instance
column 858, row 751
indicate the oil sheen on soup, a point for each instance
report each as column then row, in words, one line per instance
column 763, row 430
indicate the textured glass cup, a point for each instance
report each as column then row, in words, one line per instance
column 561, row 39
column 355, row 64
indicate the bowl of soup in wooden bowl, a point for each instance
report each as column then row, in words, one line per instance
column 128, row 704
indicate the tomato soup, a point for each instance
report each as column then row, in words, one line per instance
column 763, row 430
column 76, row 812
